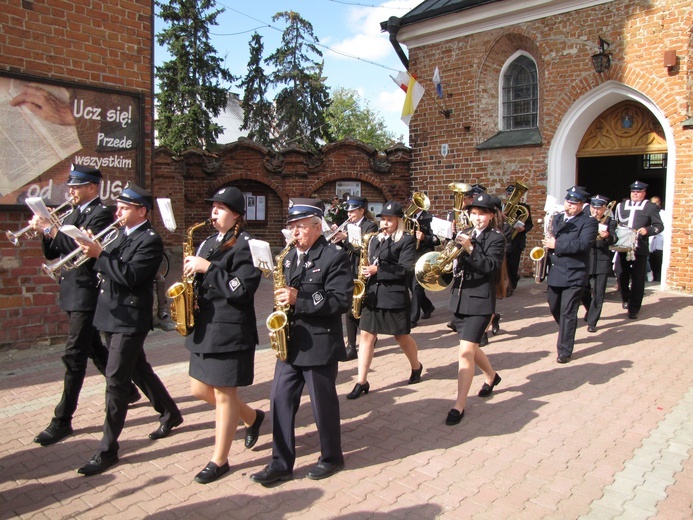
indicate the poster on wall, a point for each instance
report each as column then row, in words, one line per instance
column 45, row 127
column 348, row 187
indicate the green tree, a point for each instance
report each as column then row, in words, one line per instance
column 349, row 116
column 190, row 89
column 258, row 111
column 304, row 98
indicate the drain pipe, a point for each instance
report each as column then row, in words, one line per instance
column 392, row 26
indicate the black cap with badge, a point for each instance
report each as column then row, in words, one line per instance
column 136, row 196
column 598, row 201
column 232, row 197
column 304, row 208
column 82, row 175
column 356, row 202
column 391, row 208
column 577, row 194
column 638, row 186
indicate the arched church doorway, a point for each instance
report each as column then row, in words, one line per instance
column 624, row 143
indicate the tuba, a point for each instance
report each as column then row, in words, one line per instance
column 419, row 202
column 360, row 282
column 433, row 271
column 182, row 293
column 512, row 209
column 278, row 321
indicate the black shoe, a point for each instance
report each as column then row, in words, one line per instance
column 324, row 469
column 54, row 433
column 253, row 432
column 98, row 464
column 358, row 390
column 164, row 429
column 454, row 417
column 624, row 305
column 211, row 472
column 495, row 324
column 591, row 328
column 134, row 395
column 562, row 359
column 415, row 376
column 451, row 326
column 427, row 314
column 269, row 476
column 351, row 352
column 486, row 389
column 484, row 340
column 633, row 315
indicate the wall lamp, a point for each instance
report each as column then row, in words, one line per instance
column 602, row 60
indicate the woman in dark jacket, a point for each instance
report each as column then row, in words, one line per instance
column 473, row 298
column 387, row 303
column 222, row 344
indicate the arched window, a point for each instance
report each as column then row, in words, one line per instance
column 520, row 95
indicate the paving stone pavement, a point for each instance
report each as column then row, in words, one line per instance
column 608, row 435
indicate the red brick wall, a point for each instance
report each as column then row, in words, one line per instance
column 188, row 180
column 105, row 44
column 639, row 32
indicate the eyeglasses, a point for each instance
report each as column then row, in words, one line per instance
column 291, row 227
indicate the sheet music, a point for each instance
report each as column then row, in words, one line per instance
column 262, row 254
column 442, row 228
column 354, row 235
column 287, row 235
column 167, row 213
column 75, row 232
column 38, row 206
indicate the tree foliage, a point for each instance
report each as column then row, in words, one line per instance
column 303, row 98
column 258, row 111
column 190, row 89
column 349, row 116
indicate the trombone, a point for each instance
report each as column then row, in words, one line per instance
column 77, row 257
column 56, row 219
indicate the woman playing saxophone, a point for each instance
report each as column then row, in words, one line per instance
column 222, row 343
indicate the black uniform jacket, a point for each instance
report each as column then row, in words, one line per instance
column 325, row 290
column 78, row 287
column 429, row 241
column 479, row 272
column 570, row 259
column 127, row 267
column 389, row 287
column 367, row 226
column 636, row 215
column 601, row 257
column 225, row 321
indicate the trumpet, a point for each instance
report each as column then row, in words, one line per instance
column 77, row 257
column 56, row 219
column 340, row 229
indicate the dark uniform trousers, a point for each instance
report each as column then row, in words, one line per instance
column 631, row 280
column 321, row 382
column 127, row 361
column 593, row 297
column 564, row 303
column 419, row 300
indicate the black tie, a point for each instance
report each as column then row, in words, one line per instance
column 298, row 266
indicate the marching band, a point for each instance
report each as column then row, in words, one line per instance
column 372, row 272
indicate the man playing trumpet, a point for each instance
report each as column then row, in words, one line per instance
column 78, row 293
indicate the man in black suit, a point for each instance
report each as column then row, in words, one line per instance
column 319, row 288
column 574, row 233
column 78, row 293
column 641, row 215
column 517, row 244
column 127, row 267
column 358, row 215
column 601, row 258
column 426, row 242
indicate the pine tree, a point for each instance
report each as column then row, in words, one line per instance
column 301, row 104
column 258, row 111
column 190, row 91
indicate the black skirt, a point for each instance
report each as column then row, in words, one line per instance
column 469, row 327
column 224, row 368
column 386, row 321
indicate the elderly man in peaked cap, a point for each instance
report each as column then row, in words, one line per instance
column 319, row 289
column 641, row 215
column 574, row 232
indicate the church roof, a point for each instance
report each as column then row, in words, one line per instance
column 434, row 8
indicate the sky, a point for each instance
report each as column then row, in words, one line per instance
column 356, row 54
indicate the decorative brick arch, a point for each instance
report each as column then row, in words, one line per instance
column 228, row 179
column 387, row 192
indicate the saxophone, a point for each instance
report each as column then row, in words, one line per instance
column 278, row 321
column 182, row 293
column 360, row 282
column 539, row 255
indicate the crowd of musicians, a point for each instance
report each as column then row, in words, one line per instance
column 373, row 272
